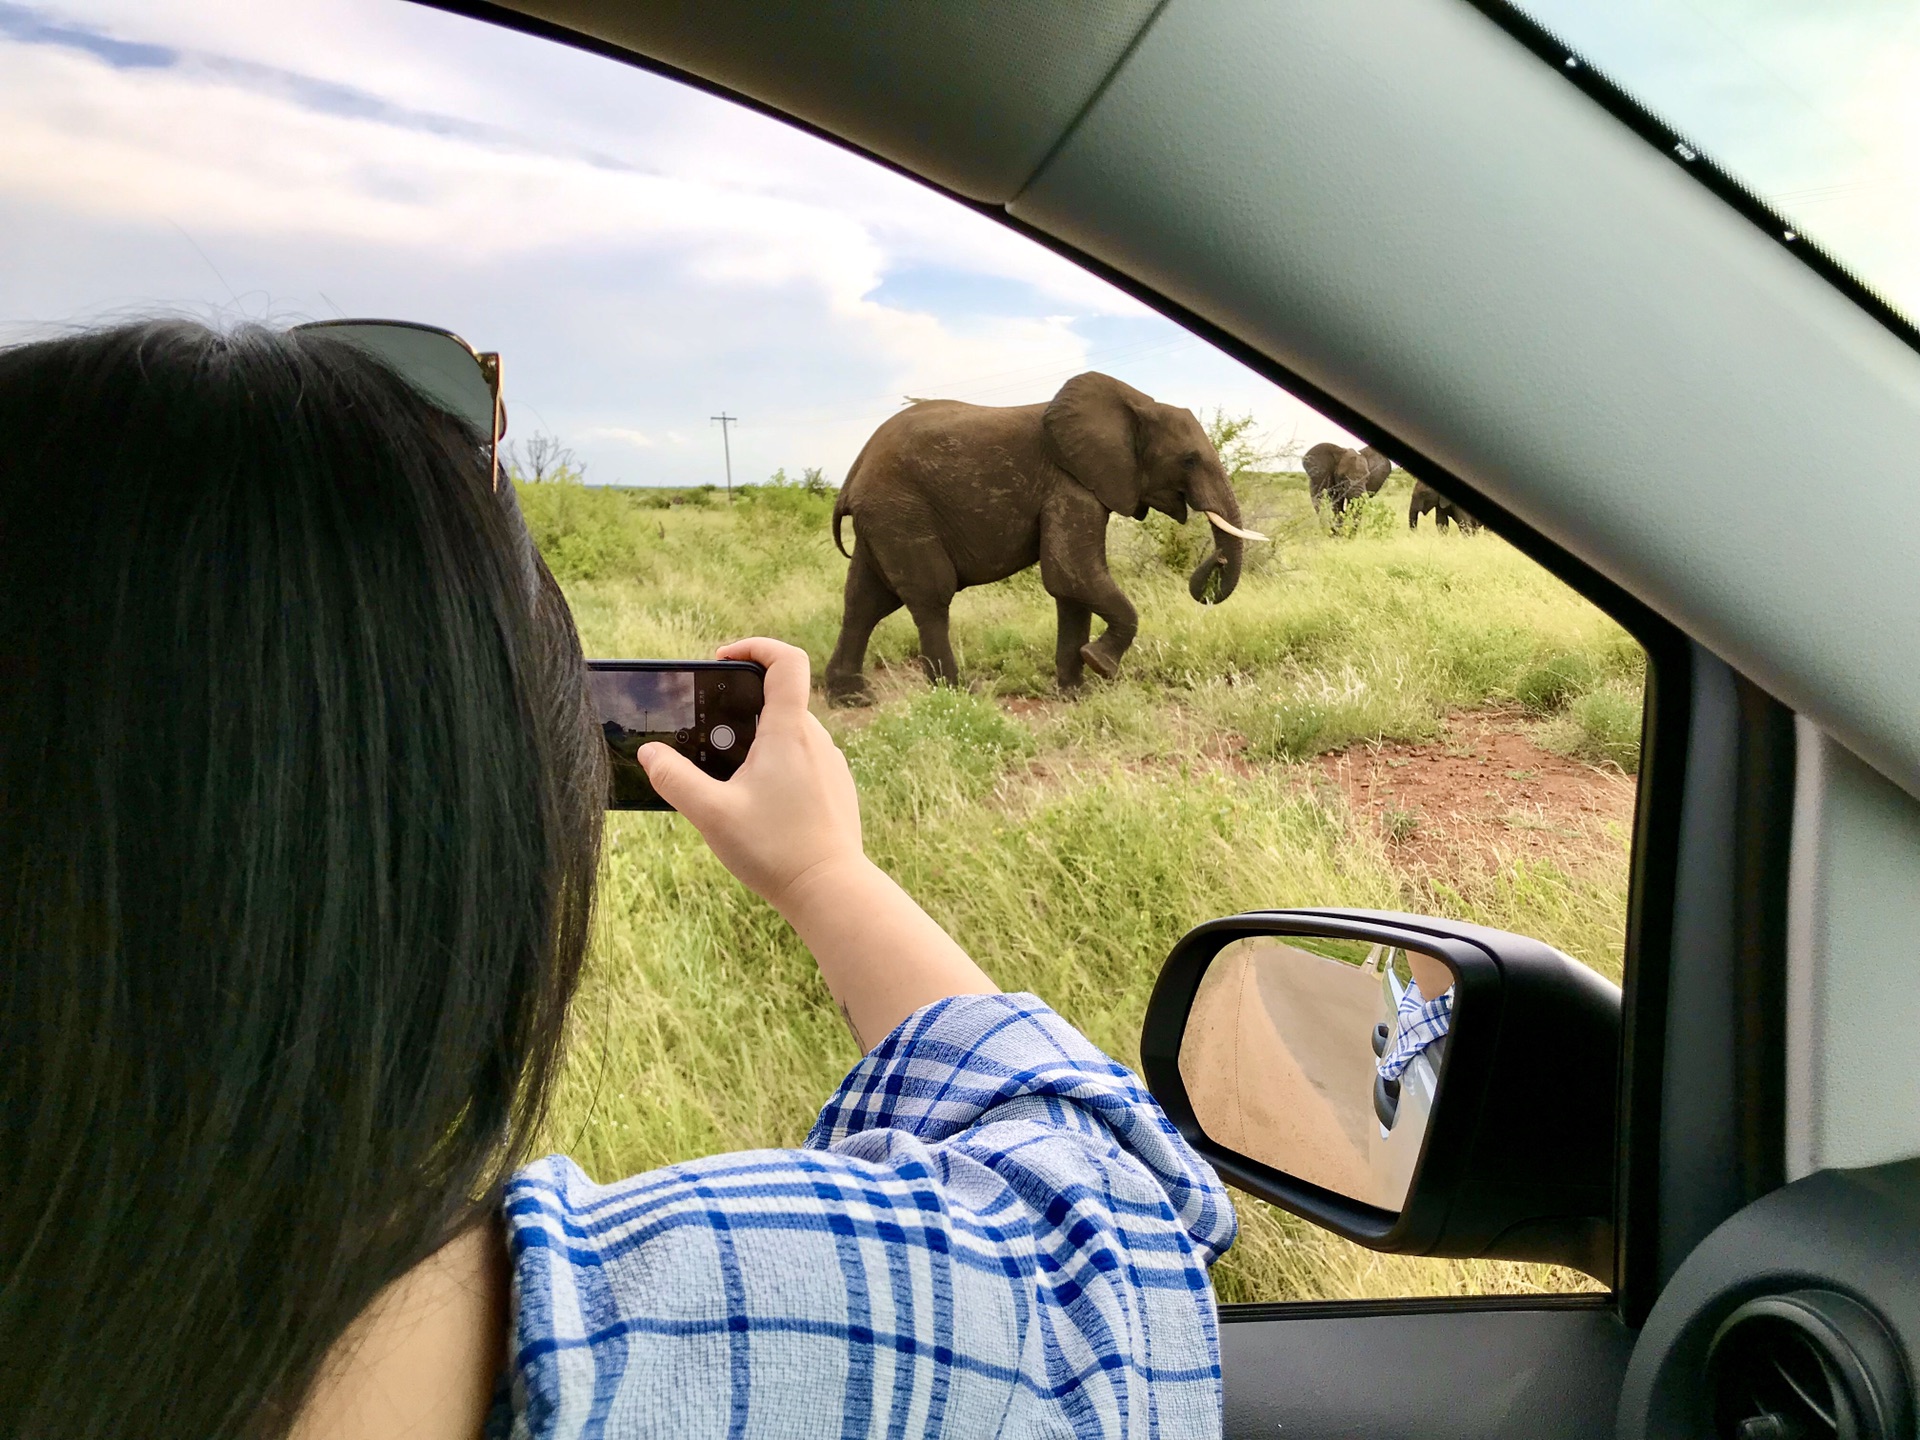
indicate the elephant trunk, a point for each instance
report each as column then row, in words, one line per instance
column 1218, row 572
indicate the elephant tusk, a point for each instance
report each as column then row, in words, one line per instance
column 1233, row 530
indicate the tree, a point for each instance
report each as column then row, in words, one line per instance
column 1244, row 448
column 812, row 479
column 541, row 458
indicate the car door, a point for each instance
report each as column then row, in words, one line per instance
column 1622, row 362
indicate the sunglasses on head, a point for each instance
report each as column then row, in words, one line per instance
column 440, row 365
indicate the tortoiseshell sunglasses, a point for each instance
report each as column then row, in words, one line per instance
column 438, row 363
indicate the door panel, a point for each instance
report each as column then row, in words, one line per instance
column 1837, row 1233
column 1476, row 1370
column 1851, row 1002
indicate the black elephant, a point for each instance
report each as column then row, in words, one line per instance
column 946, row 495
column 1342, row 476
column 1426, row 498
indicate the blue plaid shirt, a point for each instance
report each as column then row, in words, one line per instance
column 1418, row 1022
column 992, row 1230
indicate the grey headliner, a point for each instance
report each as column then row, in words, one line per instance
column 971, row 94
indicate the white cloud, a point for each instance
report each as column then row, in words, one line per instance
column 643, row 254
column 638, row 439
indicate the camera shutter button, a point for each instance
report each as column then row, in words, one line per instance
column 721, row 737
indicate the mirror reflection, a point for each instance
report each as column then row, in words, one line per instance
column 1320, row 1057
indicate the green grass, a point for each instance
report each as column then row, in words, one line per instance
column 1067, row 844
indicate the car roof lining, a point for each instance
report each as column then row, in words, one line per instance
column 973, row 98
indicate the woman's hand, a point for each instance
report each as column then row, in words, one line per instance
column 788, row 825
column 789, row 814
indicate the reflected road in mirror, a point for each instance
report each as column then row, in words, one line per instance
column 1283, row 1053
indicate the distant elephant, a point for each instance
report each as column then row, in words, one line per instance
column 1426, row 498
column 946, row 495
column 1343, row 475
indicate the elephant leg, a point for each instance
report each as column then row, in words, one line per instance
column 1123, row 623
column 1096, row 592
column 1076, row 627
column 868, row 602
column 927, row 584
column 936, row 646
column 1073, row 567
column 1440, row 521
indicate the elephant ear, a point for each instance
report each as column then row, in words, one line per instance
column 1093, row 431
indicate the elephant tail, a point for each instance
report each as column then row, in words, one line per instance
column 839, row 514
column 842, row 508
column 843, row 498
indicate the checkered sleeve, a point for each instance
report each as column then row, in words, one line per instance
column 1418, row 1022
column 991, row 1230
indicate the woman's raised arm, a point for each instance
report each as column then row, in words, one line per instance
column 788, row 826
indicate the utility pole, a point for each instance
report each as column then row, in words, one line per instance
column 726, row 448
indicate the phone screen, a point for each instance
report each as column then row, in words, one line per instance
column 706, row 709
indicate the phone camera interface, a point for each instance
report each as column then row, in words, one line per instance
column 638, row 706
column 694, row 710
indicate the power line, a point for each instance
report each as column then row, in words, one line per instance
column 726, row 447
column 968, row 389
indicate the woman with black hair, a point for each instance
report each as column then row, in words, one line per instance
column 300, row 810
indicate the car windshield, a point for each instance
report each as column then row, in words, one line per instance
column 1812, row 106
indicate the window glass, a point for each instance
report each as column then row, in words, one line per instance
column 1814, row 107
column 703, row 316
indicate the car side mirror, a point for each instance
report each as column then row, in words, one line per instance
column 1426, row 1087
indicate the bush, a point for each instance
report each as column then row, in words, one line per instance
column 809, row 498
column 1369, row 517
column 1601, row 727
column 1550, row 684
column 813, row 480
column 1177, row 547
column 943, row 743
column 585, row 533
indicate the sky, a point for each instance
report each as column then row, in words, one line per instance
column 646, row 257
column 1813, row 104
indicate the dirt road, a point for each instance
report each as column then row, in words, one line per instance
column 1278, row 1063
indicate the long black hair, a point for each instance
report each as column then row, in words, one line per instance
column 300, row 807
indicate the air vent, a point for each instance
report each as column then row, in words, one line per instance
column 1808, row 1365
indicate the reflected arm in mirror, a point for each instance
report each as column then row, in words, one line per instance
column 1305, row 1053
column 1423, row 1014
column 1278, row 1063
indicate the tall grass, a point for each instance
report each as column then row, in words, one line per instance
column 1066, row 844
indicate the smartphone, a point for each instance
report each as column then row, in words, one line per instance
column 706, row 709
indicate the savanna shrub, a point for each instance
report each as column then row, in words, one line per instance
column 943, row 741
column 1550, row 683
column 1607, row 726
column 585, row 532
column 1368, row 518
column 809, row 499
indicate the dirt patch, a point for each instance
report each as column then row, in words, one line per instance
column 1032, row 707
column 1481, row 794
column 1482, row 787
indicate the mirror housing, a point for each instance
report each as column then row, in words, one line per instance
column 1518, row 1161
